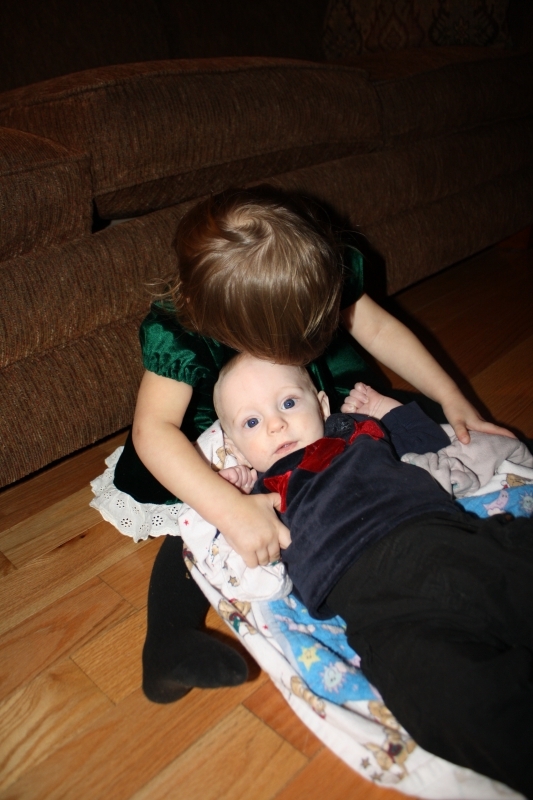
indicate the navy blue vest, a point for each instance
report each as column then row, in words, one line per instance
column 348, row 490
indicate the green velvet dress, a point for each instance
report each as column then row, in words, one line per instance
column 173, row 352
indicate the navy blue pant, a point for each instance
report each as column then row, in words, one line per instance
column 441, row 613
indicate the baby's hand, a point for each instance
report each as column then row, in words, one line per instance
column 364, row 399
column 240, row 476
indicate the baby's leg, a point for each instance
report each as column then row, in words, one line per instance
column 176, row 654
column 466, row 701
column 364, row 399
column 452, row 659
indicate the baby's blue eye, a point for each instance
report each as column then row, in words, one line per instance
column 251, row 423
column 290, row 403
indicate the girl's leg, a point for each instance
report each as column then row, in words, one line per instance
column 177, row 655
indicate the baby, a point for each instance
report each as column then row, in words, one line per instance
column 438, row 604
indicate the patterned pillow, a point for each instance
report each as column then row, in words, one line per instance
column 354, row 27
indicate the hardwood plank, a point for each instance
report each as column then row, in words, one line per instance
column 130, row 576
column 521, row 240
column 53, row 633
column 52, row 484
column 126, row 747
column 473, row 282
column 444, row 309
column 113, row 658
column 5, row 565
column 270, row 706
column 50, row 528
column 36, row 585
column 328, row 776
column 39, row 717
column 506, row 386
column 239, row 758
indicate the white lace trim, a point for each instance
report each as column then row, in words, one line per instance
column 137, row 520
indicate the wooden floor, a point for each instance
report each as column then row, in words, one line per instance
column 74, row 723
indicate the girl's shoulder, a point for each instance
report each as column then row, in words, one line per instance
column 170, row 350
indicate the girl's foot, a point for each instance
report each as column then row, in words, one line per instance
column 189, row 658
column 364, row 399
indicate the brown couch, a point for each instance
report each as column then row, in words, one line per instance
column 427, row 150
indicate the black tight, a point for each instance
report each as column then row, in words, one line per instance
column 177, row 654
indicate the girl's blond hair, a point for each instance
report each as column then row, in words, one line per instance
column 259, row 273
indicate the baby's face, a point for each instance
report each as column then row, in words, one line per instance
column 270, row 410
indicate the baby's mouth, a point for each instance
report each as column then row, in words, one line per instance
column 286, row 447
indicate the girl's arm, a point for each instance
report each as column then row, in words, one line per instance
column 249, row 523
column 392, row 343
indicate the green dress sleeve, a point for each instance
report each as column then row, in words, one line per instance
column 168, row 349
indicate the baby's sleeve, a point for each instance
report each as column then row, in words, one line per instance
column 411, row 430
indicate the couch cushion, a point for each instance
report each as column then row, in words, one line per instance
column 353, row 27
column 159, row 133
column 457, row 226
column 45, row 193
column 67, row 398
column 425, row 101
column 40, row 40
column 415, row 174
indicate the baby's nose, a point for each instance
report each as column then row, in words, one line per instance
column 276, row 423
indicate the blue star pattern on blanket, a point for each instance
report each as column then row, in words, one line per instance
column 319, row 651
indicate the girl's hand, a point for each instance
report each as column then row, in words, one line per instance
column 395, row 346
column 254, row 530
column 240, row 476
column 463, row 417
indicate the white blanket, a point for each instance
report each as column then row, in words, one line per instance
column 465, row 469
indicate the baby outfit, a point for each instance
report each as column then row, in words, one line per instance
column 438, row 604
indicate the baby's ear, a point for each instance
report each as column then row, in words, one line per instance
column 323, row 402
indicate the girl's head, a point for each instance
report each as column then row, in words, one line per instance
column 258, row 273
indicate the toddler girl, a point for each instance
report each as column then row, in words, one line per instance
column 257, row 272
